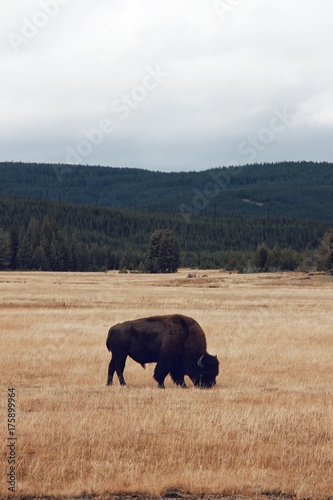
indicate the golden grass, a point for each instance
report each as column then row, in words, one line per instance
column 266, row 427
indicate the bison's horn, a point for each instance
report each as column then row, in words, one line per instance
column 200, row 362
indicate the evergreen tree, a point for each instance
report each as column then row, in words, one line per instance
column 14, row 244
column 274, row 257
column 308, row 260
column 260, row 257
column 24, row 254
column 152, row 262
column 141, row 267
column 232, row 262
column 163, row 252
column 127, row 260
column 5, row 253
column 33, row 232
column 289, row 260
column 39, row 259
column 325, row 253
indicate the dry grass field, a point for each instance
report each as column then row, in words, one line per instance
column 265, row 429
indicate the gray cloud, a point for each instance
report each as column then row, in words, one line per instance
column 181, row 85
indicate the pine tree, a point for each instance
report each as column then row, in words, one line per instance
column 308, row 259
column 163, row 252
column 152, row 263
column 5, row 253
column 325, row 253
column 24, row 254
column 33, row 232
column 14, row 244
column 232, row 262
column 260, row 257
column 289, row 260
column 275, row 258
column 39, row 259
column 127, row 260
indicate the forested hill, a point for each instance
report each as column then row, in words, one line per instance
column 290, row 189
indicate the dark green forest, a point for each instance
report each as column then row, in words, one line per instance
column 46, row 235
column 83, row 218
column 289, row 189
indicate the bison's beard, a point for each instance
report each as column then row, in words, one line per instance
column 204, row 384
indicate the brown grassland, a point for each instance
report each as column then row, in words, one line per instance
column 265, row 429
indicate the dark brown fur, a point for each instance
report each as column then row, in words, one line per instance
column 175, row 342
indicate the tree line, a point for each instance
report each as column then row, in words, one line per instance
column 50, row 236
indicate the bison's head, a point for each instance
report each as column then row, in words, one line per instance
column 207, row 370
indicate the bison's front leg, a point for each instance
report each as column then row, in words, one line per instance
column 178, row 377
column 160, row 372
column 180, row 382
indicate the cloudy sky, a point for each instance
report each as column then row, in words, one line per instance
column 166, row 84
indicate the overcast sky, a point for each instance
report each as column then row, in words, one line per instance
column 166, row 84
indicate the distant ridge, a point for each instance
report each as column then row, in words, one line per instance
column 287, row 189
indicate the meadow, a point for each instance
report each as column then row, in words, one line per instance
column 265, row 429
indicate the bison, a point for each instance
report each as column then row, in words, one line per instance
column 175, row 342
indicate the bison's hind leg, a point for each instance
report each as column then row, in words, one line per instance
column 117, row 364
column 111, row 370
column 120, row 366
